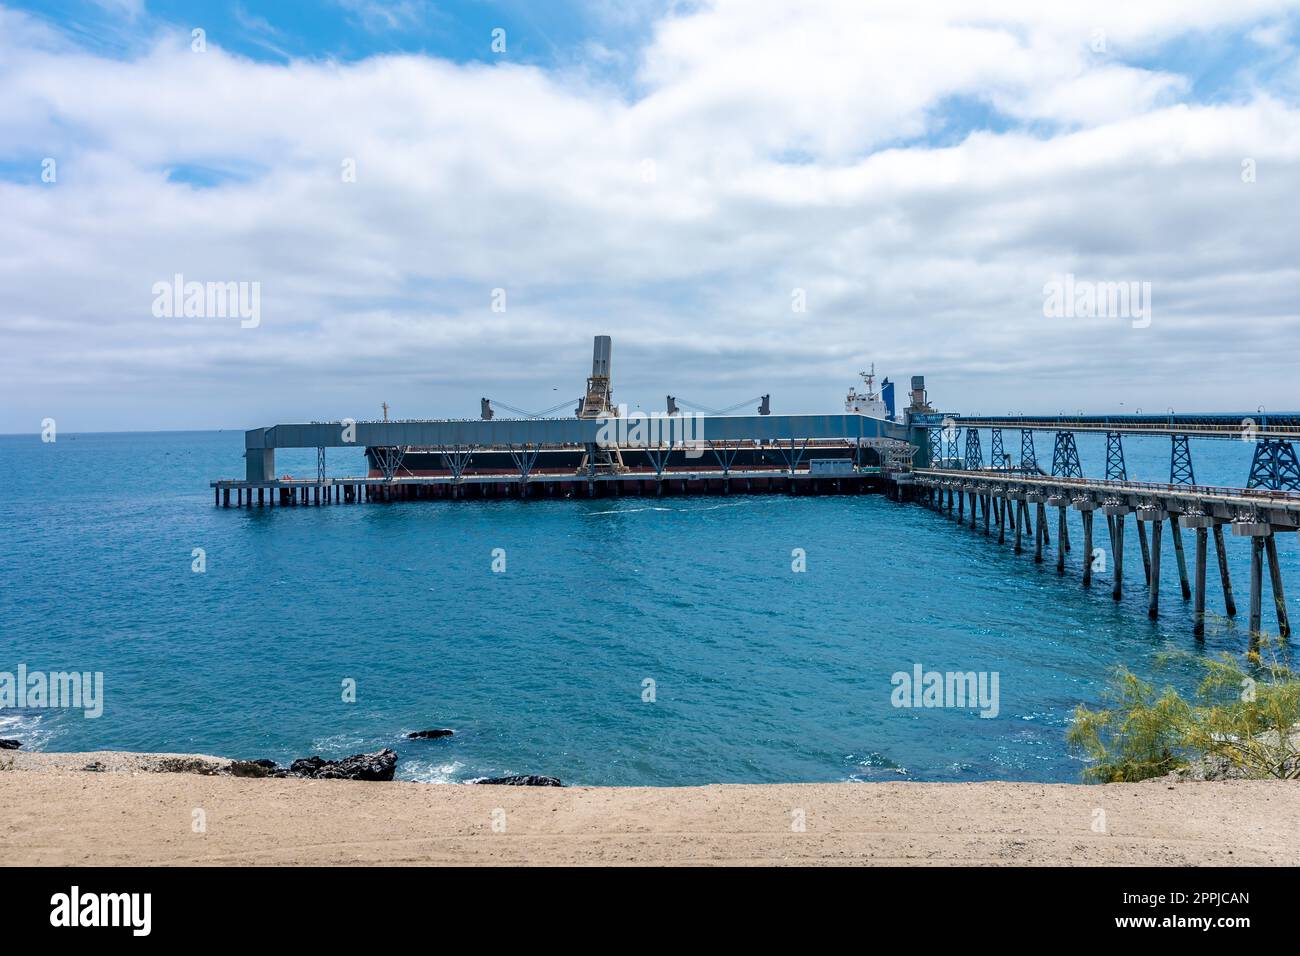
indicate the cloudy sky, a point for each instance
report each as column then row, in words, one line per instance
column 682, row 176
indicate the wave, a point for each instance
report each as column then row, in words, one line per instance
column 430, row 771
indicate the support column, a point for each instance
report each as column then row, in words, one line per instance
column 1086, row 507
column 225, row 497
column 1225, row 579
column 1146, row 550
column 1156, row 517
column 1040, row 530
column 1182, row 560
column 1275, row 580
column 1198, row 628
column 1060, row 533
column 1117, row 556
column 1115, row 512
column 1201, row 523
column 1256, row 588
column 1086, row 518
column 1020, row 523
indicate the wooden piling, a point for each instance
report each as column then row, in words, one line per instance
column 1225, row 579
column 1146, row 551
column 1086, row 518
column 1275, row 580
column 1198, row 626
column 1040, row 532
column 1153, row 581
column 1182, row 560
column 1117, row 555
column 1060, row 541
column 1256, row 588
column 1020, row 523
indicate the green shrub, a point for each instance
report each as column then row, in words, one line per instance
column 1244, row 721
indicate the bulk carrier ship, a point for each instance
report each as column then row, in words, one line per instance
column 598, row 403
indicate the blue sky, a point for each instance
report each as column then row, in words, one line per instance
column 549, row 34
column 677, row 175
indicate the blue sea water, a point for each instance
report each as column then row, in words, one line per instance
column 760, row 674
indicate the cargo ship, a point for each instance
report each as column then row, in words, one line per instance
column 598, row 402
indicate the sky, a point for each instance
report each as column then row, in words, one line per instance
column 425, row 203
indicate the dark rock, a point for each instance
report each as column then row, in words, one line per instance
column 522, row 780
column 375, row 766
column 252, row 768
column 428, row 734
column 95, row 767
column 307, row 766
column 7, row 744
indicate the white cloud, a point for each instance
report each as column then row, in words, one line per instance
column 773, row 132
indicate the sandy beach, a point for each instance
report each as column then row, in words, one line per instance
column 52, row 812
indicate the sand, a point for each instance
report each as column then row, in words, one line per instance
column 54, row 813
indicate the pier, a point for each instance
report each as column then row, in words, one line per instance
column 1011, row 497
column 921, row 454
column 817, row 454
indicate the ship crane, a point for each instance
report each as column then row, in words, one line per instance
column 764, row 406
column 487, row 411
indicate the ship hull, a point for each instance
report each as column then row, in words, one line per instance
column 431, row 463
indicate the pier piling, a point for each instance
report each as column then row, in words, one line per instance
column 1198, row 627
column 1225, row 579
column 1275, row 581
column 1153, row 580
column 1182, row 560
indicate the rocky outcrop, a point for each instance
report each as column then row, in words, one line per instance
column 522, row 780
column 428, row 734
column 252, row 768
column 9, row 744
column 376, row 766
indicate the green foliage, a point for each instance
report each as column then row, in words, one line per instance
column 1244, row 721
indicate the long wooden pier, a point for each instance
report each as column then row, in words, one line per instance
column 1017, row 504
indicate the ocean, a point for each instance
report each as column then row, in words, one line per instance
column 626, row 642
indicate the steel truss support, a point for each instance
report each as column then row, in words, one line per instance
column 525, row 458
column 659, row 458
column 320, row 466
column 1180, row 461
column 389, row 460
column 1274, row 466
column 457, row 461
column 1116, row 470
column 974, row 453
column 997, row 454
column 1028, row 459
column 936, row 446
column 794, row 458
column 725, row 457
column 1065, row 457
column 953, row 434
